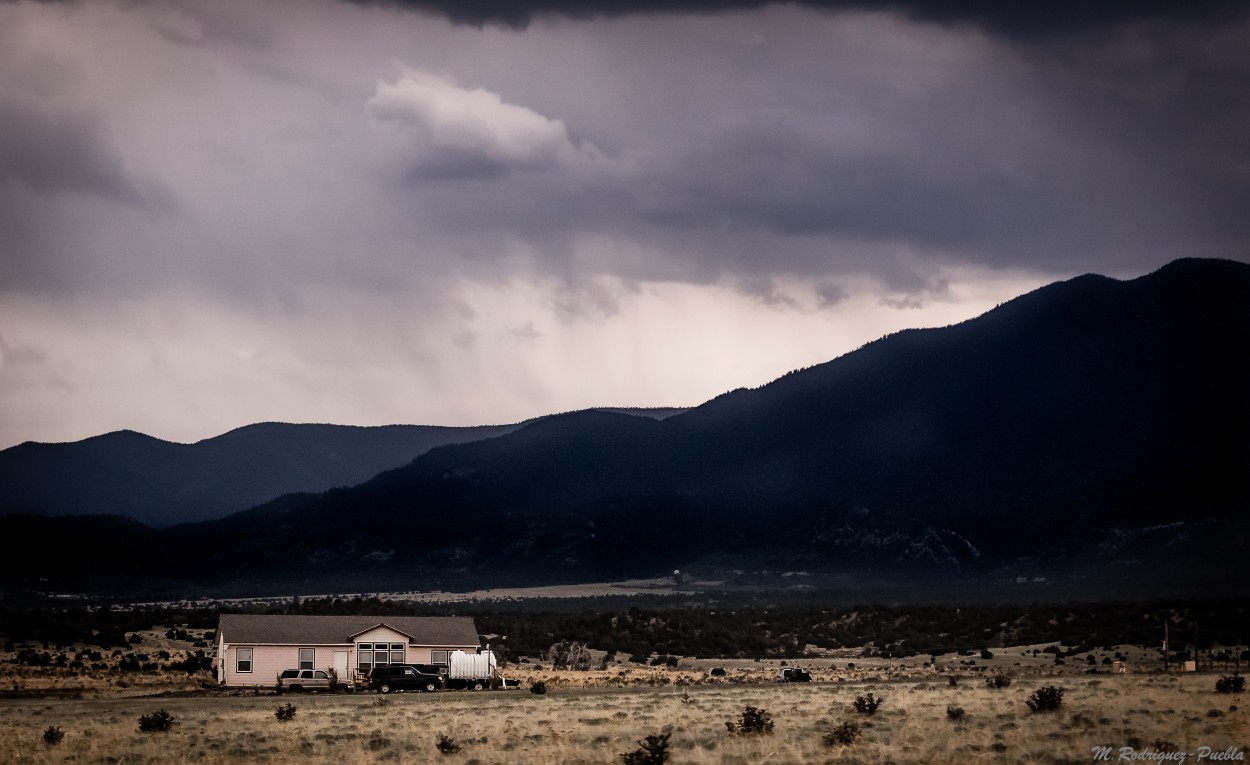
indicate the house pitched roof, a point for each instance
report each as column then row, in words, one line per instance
column 298, row 629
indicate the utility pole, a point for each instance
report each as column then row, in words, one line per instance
column 1165, row 647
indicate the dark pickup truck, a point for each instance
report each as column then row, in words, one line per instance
column 793, row 675
column 403, row 677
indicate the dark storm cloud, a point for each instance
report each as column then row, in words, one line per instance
column 1055, row 156
column 50, row 153
column 386, row 216
column 1033, row 18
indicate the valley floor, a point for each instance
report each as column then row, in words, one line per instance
column 1151, row 714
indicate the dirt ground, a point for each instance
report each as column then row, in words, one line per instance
column 917, row 722
column 600, row 715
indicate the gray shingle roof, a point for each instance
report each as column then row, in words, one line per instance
column 297, row 629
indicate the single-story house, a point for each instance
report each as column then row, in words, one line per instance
column 252, row 649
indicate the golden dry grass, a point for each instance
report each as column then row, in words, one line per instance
column 596, row 725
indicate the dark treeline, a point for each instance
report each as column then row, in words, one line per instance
column 748, row 629
column 101, row 627
column 759, row 629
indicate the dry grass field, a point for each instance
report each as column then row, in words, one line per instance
column 598, row 724
column 599, row 715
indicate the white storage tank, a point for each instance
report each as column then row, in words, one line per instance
column 470, row 670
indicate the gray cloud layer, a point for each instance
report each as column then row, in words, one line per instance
column 301, row 201
column 1021, row 19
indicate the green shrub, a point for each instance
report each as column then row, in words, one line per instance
column 867, row 704
column 754, row 722
column 1045, row 699
column 538, row 687
column 160, row 720
column 446, row 744
column 285, row 712
column 53, row 735
column 845, row 734
column 998, row 681
column 1230, row 684
column 653, row 750
column 955, row 713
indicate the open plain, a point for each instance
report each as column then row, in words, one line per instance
column 579, row 720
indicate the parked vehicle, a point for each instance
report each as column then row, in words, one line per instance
column 471, row 670
column 296, row 680
column 403, row 677
column 793, row 675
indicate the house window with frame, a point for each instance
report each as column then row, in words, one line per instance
column 370, row 655
column 243, row 660
column 438, row 657
column 306, row 658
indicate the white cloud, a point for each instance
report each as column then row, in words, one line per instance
column 448, row 131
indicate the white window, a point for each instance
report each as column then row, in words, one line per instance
column 438, row 657
column 243, row 660
column 397, row 653
column 306, row 658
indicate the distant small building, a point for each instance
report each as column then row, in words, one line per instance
column 253, row 648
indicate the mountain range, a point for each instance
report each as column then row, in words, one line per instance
column 160, row 483
column 1094, row 431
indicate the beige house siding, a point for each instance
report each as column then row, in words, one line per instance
column 381, row 635
column 269, row 659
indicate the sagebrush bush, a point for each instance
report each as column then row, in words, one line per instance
column 998, row 681
column 1045, row 699
column 955, row 713
column 754, row 722
column 538, row 687
column 1230, row 684
column 867, row 704
column 285, row 712
column 53, row 735
column 653, row 750
column 160, row 720
column 446, row 744
column 845, row 734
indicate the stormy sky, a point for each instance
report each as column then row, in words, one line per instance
column 220, row 213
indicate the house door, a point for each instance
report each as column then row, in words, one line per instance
column 340, row 666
